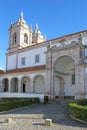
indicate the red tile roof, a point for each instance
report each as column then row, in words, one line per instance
column 36, row 68
column 1, row 71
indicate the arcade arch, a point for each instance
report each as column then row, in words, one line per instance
column 14, row 85
column 5, row 85
column 25, row 84
column 39, row 84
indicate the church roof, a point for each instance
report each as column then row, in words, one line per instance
column 1, row 71
column 35, row 68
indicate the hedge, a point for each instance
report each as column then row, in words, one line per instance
column 13, row 103
column 78, row 109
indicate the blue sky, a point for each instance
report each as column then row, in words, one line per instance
column 54, row 17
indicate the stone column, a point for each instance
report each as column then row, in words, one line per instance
column 9, row 87
column 61, row 87
column 80, row 88
column 19, row 86
column 1, row 85
column 32, row 86
column 49, row 75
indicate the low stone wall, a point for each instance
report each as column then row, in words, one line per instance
column 22, row 95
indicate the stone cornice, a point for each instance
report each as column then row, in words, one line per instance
column 28, row 69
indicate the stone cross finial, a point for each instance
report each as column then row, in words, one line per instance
column 21, row 16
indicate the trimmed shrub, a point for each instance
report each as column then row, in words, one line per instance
column 13, row 103
column 78, row 109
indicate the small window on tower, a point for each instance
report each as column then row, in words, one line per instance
column 23, row 61
column 25, row 38
column 14, row 38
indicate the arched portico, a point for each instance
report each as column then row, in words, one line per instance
column 14, row 85
column 25, row 84
column 5, row 85
column 64, row 77
column 39, row 84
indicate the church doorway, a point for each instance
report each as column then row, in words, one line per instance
column 64, row 77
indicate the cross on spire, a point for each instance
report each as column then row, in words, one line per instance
column 21, row 16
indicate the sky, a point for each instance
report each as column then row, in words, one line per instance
column 55, row 18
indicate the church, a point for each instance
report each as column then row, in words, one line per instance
column 56, row 68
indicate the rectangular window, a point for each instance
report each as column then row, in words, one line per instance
column 23, row 61
column 37, row 58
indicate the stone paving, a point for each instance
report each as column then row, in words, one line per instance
column 33, row 118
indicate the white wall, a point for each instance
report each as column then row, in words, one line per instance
column 11, row 62
column 85, row 55
column 68, row 86
column 30, row 57
column 57, row 87
column 85, row 84
column 22, row 95
column 85, row 52
column 39, row 85
column 85, row 40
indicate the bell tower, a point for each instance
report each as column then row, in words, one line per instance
column 20, row 35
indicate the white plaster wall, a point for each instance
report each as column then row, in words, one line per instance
column 11, row 62
column 30, row 57
column 85, row 52
column 85, row 79
column 68, row 87
column 39, row 84
column 57, row 87
column 86, row 70
column 85, row 55
column 85, row 40
column 22, row 95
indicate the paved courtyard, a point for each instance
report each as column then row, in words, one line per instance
column 33, row 118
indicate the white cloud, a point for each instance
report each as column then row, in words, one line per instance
column 1, row 68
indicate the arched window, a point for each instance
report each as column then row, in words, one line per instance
column 25, row 38
column 14, row 38
column 73, row 78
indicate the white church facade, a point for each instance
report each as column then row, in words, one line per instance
column 55, row 68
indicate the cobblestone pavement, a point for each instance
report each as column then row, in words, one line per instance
column 33, row 118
